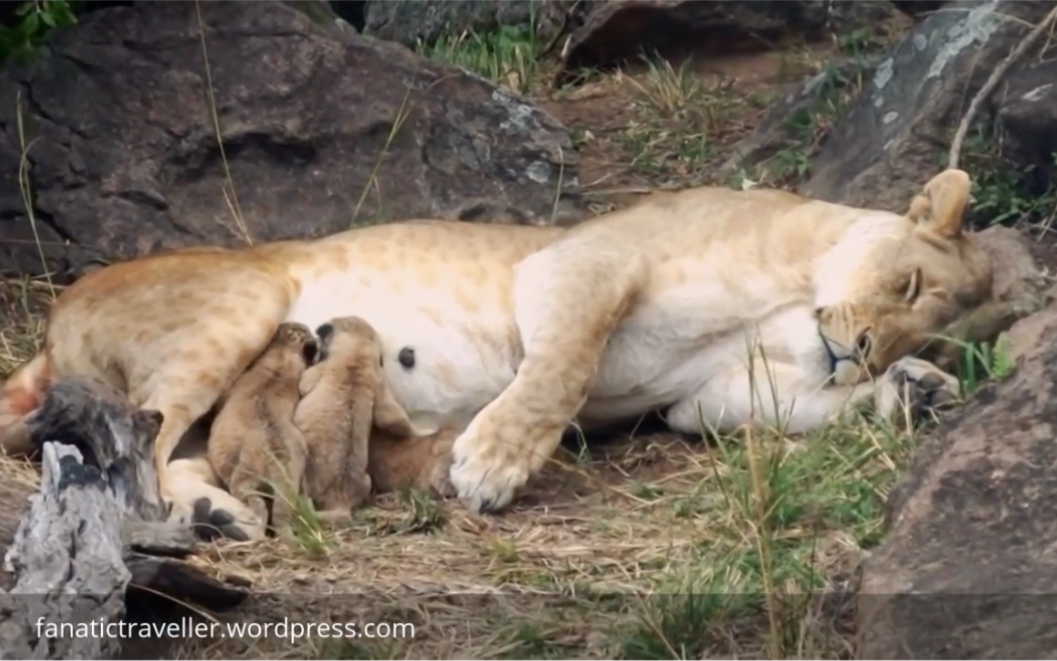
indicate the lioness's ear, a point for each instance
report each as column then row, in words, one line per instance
column 940, row 207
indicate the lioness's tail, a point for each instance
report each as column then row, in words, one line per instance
column 21, row 394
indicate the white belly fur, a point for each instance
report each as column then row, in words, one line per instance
column 456, row 372
column 646, row 366
column 640, row 373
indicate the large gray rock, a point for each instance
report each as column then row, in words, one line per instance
column 1025, row 109
column 615, row 30
column 968, row 567
column 898, row 131
column 123, row 156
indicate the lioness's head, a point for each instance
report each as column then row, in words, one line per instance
column 907, row 284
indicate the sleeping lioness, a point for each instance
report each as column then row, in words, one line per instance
column 518, row 330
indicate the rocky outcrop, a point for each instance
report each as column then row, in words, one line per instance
column 1025, row 111
column 322, row 129
column 968, row 565
column 918, row 8
column 615, row 30
column 897, row 132
column 784, row 125
column 411, row 21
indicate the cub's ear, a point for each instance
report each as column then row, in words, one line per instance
column 940, row 207
column 325, row 332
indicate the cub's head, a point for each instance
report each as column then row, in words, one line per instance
column 351, row 338
column 294, row 338
column 901, row 283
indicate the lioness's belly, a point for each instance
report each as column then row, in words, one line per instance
column 463, row 363
column 441, row 290
column 444, row 291
column 465, row 356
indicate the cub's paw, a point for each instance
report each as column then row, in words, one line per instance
column 437, row 481
column 915, row 388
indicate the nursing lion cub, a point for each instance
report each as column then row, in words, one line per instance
column 254, row 446
column 518, row 330
column 343, row 397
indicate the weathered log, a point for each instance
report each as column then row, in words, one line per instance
column 67, row 556
column 111, row 433
column 94, row 529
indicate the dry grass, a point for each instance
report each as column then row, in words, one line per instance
column 680, row 121
column 651, row 547
column 22, row 304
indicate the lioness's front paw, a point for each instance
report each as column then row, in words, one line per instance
column 490, row 462
column 915, row 386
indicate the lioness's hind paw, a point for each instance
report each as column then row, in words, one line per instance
column 210, row 523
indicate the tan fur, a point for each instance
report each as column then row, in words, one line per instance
column 342, row 395
column 419, row 461
column 254, row 446
column 519, row 330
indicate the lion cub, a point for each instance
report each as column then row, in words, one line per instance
column 343, row 396
column 253, row 442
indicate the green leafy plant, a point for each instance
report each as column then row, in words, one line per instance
column 35, row 20
column 507, row 56
column 1005, row 192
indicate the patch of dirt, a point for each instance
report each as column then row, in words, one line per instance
column 1044, row 250
column 593, row 112
column 651, row 125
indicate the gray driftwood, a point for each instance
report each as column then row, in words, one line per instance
column 93, row 530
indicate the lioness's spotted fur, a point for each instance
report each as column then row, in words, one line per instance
column 517, row 330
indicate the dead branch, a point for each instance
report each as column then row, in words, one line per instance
column 93, row 530
column 992, row 82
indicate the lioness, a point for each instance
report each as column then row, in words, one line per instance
column 517, row 330
column 343, row 396
column 254, row 446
